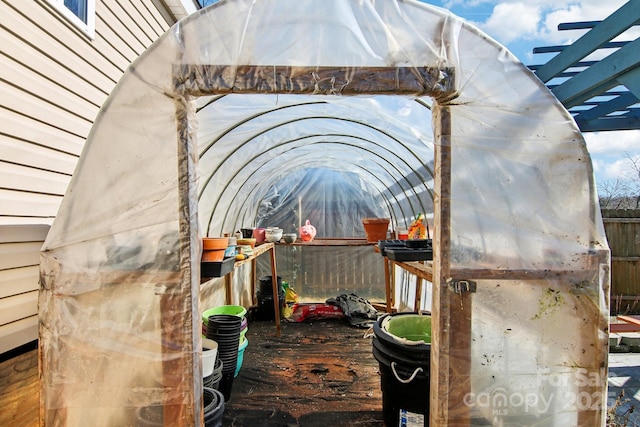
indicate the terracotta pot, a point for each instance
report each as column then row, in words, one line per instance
column 376, row 228
column 214, row 243
column 213, row 256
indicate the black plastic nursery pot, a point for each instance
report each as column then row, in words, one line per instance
column 225, row 330
column 149, row 416
column 224, row 322
column 213, row 407
column 265, row 284
column 213, row 380
column 265, row 309
column 404, row 363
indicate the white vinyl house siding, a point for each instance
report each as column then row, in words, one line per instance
column 19, row 259
column 53, row 80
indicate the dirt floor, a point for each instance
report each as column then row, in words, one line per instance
column 316, row 374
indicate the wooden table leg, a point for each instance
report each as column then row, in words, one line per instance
column 418, row 294
column 274, row 283
column 228, row 280
column 254, row 266
column 387, row 284
column 392, row 267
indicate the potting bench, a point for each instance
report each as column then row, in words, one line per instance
column 423, row 270
column 257, row 251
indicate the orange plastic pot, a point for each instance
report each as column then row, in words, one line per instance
column 215, row 243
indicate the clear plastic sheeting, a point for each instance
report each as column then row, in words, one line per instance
column 318, row 273
column 287, row 137
column 243, row 115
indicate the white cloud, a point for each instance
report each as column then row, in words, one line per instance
column 574, row 12
column 620, row 169
column 614, row 143
column 509, row 21
column 611, row 153
column 513, row 20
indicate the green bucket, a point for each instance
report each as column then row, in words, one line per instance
column 412, row 327
column 234, row 310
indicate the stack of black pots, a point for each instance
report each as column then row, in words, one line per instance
column 225, row 330
column 213, row 380
column 266, row 310
column 213, row 407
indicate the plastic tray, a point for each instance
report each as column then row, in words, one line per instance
column 418, row 243
column 409, row 254
column 217, row 268
column 384, row 244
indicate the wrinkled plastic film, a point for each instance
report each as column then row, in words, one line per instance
column 299, row 141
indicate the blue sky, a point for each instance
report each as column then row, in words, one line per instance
column 521, row 25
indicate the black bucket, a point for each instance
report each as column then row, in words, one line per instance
column 213, row 407
column 265, row 309
column 266, row 286
column 213, row 380
column 418, row 350
column 225, row 330
column 404, row 371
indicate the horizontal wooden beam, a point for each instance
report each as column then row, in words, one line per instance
column 577, row 25
column 625, row 122
column 603, row 108
column 616, row 328
column 560, row 48
column 425, row 271
column 599, row 77
column 635, row 320
column 199, row 80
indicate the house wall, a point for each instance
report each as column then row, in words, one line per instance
column 19, row 260
column 53, row 80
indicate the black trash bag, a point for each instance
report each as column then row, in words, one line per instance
column 357, row 310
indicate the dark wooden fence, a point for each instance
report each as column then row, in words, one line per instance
column 622, row 227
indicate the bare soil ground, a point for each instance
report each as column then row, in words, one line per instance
column 316, row 374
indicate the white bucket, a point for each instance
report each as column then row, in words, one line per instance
column 209, row 355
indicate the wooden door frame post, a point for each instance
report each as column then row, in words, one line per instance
column 451, row 312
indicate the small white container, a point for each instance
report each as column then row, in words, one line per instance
column 209, row 355
column 273, row 235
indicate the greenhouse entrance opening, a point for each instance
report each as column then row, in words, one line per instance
column 334, row 188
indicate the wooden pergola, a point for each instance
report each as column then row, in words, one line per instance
column 601, row 94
